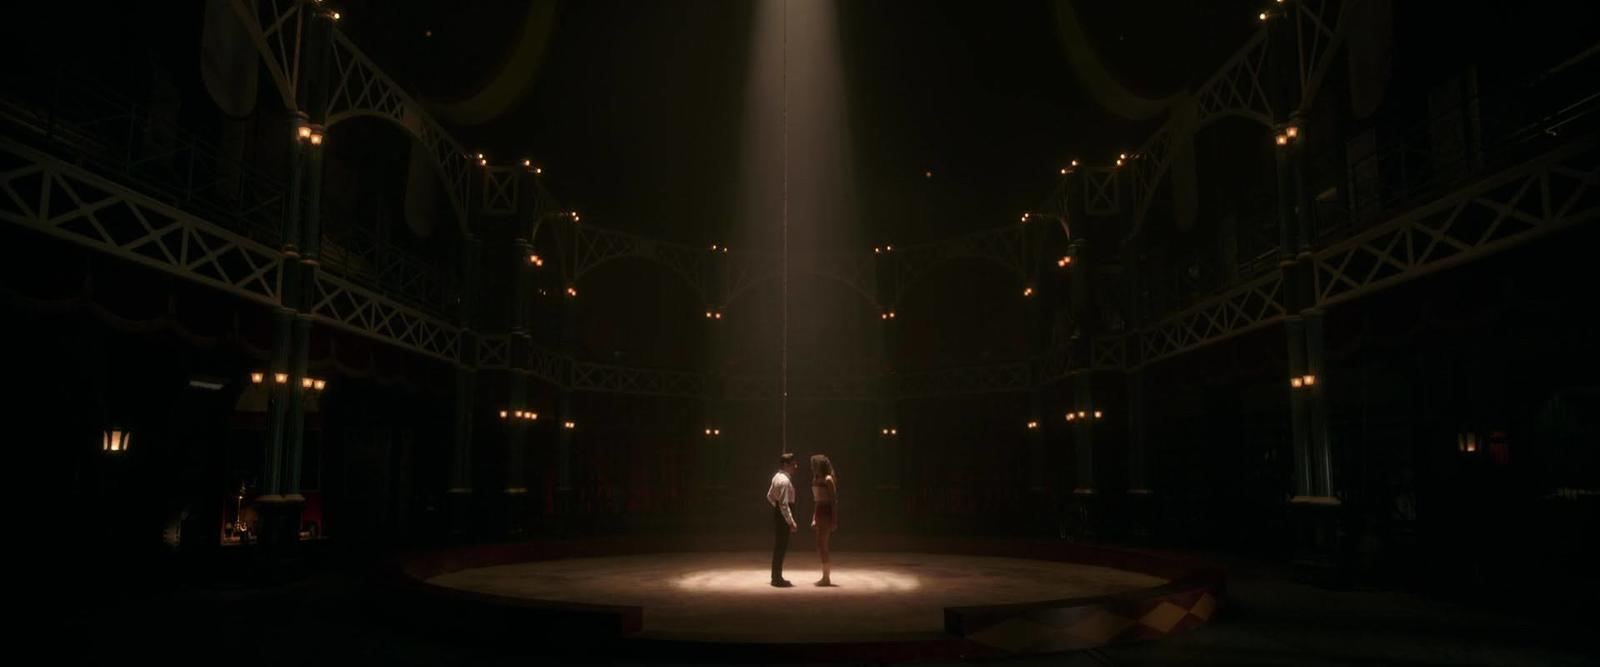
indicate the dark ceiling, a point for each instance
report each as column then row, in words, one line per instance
column 637, row 106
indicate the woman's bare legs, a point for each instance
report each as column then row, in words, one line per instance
column 824, row 531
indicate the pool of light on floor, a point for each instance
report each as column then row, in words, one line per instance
column 756, row 580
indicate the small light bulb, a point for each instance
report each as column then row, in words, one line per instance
column 533, row 415
column 304, row 131
column 1122, row 156
column 280, row 378
column 538, row 170
column 1283, row 140
column 1071, row 416
column 502, row 414
column 719, row 315
column 1119, row 162
column 1296, row 382
column 1063, row 171
column 1027, row 291
column 336, row 16
column 319, row 385
column 483, row 162
column 1310, row 380
column 305, row 383
column 1292, row 131
column 256, row 378
column 1097, row 414
column 316, row 138
column 888, row 248
column 572, row 291
column 1074, row 163
column 927, row 174
column 527, row 163
column 1262, row 16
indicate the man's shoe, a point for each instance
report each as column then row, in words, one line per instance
column 782, row 583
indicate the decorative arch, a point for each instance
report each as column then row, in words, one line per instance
column 358, row 87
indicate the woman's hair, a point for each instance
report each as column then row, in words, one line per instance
column 821, row 467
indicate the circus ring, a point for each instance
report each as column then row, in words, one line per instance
column 900, row 599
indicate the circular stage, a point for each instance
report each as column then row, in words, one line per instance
column 727, row 596
column 895, row 599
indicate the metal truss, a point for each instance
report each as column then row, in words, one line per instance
column 594, row 246
column 804, row 387
column 1005, row 246
column 348, row 306
column 1536, row 198
column 361, row 89
column 500, row 189
column 1236, row 89
column 1055, row 365
column 494, row 352
column 1246, row 307
column 275, row 28
column 68, row 202
column 986, row 379
column 1319, row 30
column 607, row 378
column 1108, row 353
column 1101, row 196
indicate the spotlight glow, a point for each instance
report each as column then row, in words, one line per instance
column 756, row 581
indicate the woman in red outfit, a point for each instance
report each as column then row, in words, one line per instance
column 825, row 518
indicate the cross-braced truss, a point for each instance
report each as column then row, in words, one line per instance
column 361, row 89
column 607, row 378
column 1248, row 306
column 500, row 189
column 67, row 202
column 594, row 246
column 1005, row 246
column 274, row 28
column 1319, row 29
column 1101, row 196
column 1538, row 197
column 354, row 308
column 494, row 352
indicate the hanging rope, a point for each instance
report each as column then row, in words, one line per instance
column 783, row 363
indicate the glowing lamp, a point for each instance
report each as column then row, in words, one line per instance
column 1064, row 261
column 708, row 314
column 536, row 260
column 319, row 385
column 1024, row 217
column 305, row 383
column 1074, row 163
column 569, row 425
column 1309, row 380
column 719, row 315
column 336, row 16
column 527, row 163
column 530, row 416
column 572, row 291
column 716, row 431
column 876, row 250
column 927, row 173
column 708, row 431
column 1262, row 16
column 1033, row 424
column 1296, row 382
column 1072, row 416
column 894, row 431
column 1292, row 131
column 256, row 378
column 1082, row 414
column 888, row 248
column 538, row 170
column 482, row 162
column 316, row 138
column 303, row 132
column 280, row 378
column 1122, row 156
column 1098, row 414
column 479, row 156
column 1119, row 162
column 1063, row 171
column 1283, row 140
column 114, row 440
column 1027, row 291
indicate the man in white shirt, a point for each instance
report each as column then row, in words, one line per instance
column 780, row 495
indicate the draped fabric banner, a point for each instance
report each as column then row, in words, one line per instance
column 1097, row 80
column 422, row 192
column 1370, row 52
column 228, row 60
column 1185, row 184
